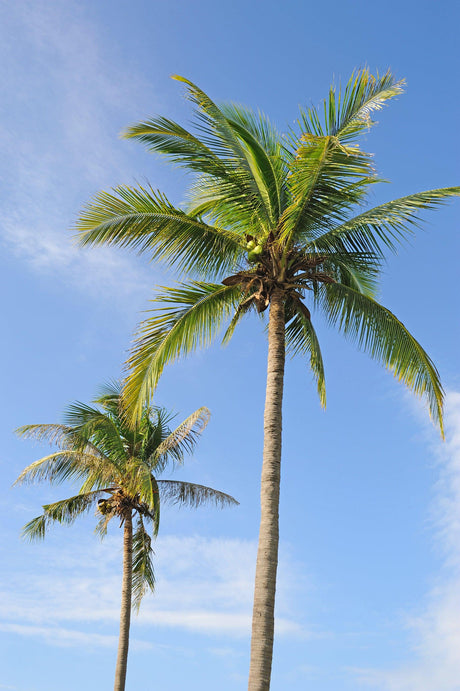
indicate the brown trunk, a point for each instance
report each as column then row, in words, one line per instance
column 263, row 618
column 125, row 614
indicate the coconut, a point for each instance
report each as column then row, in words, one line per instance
column 250, row 245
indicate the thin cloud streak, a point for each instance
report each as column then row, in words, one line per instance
column 203, row 585
column 65, row 638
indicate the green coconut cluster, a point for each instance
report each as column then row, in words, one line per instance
column 255, row 249
column 104, row 506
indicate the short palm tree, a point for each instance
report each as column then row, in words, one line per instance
column 118, row 466
column 270, row 222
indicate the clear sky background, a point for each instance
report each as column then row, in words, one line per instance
column 369, row 584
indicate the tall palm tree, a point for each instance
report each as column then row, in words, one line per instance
column 118, row 466
column 270, row 222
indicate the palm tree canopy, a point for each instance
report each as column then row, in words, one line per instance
column 269, row 211
column 117, row 466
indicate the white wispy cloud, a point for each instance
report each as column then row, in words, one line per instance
column 203, row 585
column 60, row 636
column 435, row 630
column 58, row 150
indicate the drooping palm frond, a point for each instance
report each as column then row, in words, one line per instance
column 143, row 573
column 144, row 220
column 36, row 528
column 62, row 466
column 377, row 331
column 383, row 226
column 64, row 511
column 189, row 494
column 193, row 318
column 155, row 510
column 358, row 270
column 301, row 339
column 60, row 435
column 245, row 306
column 103, row 524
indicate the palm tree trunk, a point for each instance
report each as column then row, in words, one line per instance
column 125, row 614
column 263, row 618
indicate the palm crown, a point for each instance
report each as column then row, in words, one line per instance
column 118, row 467
column 269, row 212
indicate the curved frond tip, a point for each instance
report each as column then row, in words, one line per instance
column 378, row 332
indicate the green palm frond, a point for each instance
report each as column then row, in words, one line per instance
column 364, row 94
column 93, row 426
column 347, row 113
column 218, row 133
column 385, row 225
column 245, row 306
column 358, row 270
column 109, row 399
column 166, row 137
column 154, row 426
column 143, row 573
column 62, row 466
column 155, row 510
column 264, row 155
column 327, row 180
column 189, row 494
column 301, row 339
column 144, row 220
column 377, row 331
column 193, row 318
column 329, row 175
column 220, row 206
column 220, row 154
column 110, row 390
column 137, row 481
column 36, row 528
column 64, row 511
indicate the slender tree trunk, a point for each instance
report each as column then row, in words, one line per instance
column 125, row 614
column 263, row 618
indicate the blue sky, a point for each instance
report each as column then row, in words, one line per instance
column 369, row 586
